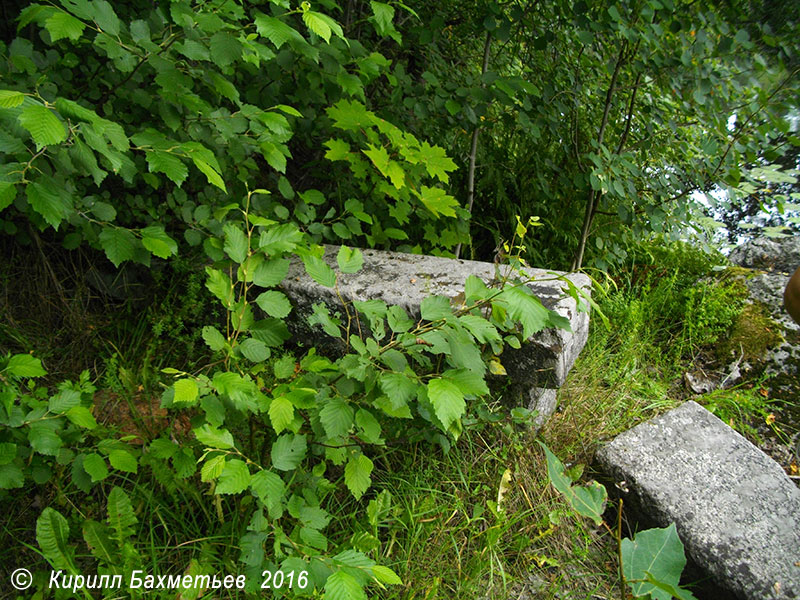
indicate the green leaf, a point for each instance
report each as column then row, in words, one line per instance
column 61, row 24
column 269, row 488
column 270, row 273
column 318, row 24
column 437, row 201
column 212, row 468
column 82, row 417
column 225, row 48
column 11, row 98
column 336, row 417
column 97, row 537
column 121, row 517
column 43, row 125
column 52, row 534
column 385, row 574
column 156, row 240
column 213, row 338
column 11, row 477
column 588, row 500
column 167, row 163
column 433, row 308
column 288, row 451
column 95, row 466
column 281, row 413
column 357, row 475
column 383, row 14
column 436, row 162
column 471, row 383
column 50, row 201
column 280, row 238
column 657, row 552
column 319, row 271
column 104, row 211
column 525, row 308
column 8, row 192
column 123, row 461
column 236, row 244
column 276, row 31
column 118, row 244
column 214, row 178
column 349, row 260
column 342, row 586
column 44, row 438
column 447, row 400
column 219, row 284
column 398, row 387
column 185, row 392
column 481, row 329
column 105, row 17
column 64, row 400
column 212, row 437
column 274, row 303
column 235, row 478
column 24, row 365
column 254, row 350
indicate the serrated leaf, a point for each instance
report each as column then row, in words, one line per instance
column 169, row 164
column 280, row 238
column 82, row 417
column 225, row 48
column 24, row 365
column 234, row 479
column 350, row 260
column 276, row 31
column 11, row 98
column 336, row 417
column 48, row 200
column 97, row 537
column 385, row 574
column 254, row 350
column 436, row 162
column 211, row 174
column 185, row 391
column 318, row 25
column 269, row 488
column 156, row 240
column 43, row 125
column 526, row 309
column 219, row 284
column 212, row 437
column 96, row 467
column 281, row 413
column 121, row 517
column 383, row 15
column 270, row 273
column 64, row 400
column 274, row 303
column 342, row 586
column 447, row 400
column 471, row 383
column 213, row 338
column 433, row 308
column 61, row 24
column 212, row 468
column 398, row 387
column 52, row 535
column 288, row 451
column 319, row 271
column 123, row 461
column 357, row 475
column 438, row 201
column 11, row 477
column 236, row 244
column 118, row 244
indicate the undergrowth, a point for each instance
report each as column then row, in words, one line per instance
column 478, row 521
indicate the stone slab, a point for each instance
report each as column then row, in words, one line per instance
column 406, row 279
column 736, row 511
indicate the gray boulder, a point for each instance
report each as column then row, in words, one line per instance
column 769, row 254
column 736, row 511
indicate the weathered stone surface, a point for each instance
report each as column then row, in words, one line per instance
column 406, row 279
column 736, row 511
column 769, row 254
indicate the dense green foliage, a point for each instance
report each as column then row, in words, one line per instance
column 240, row 135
